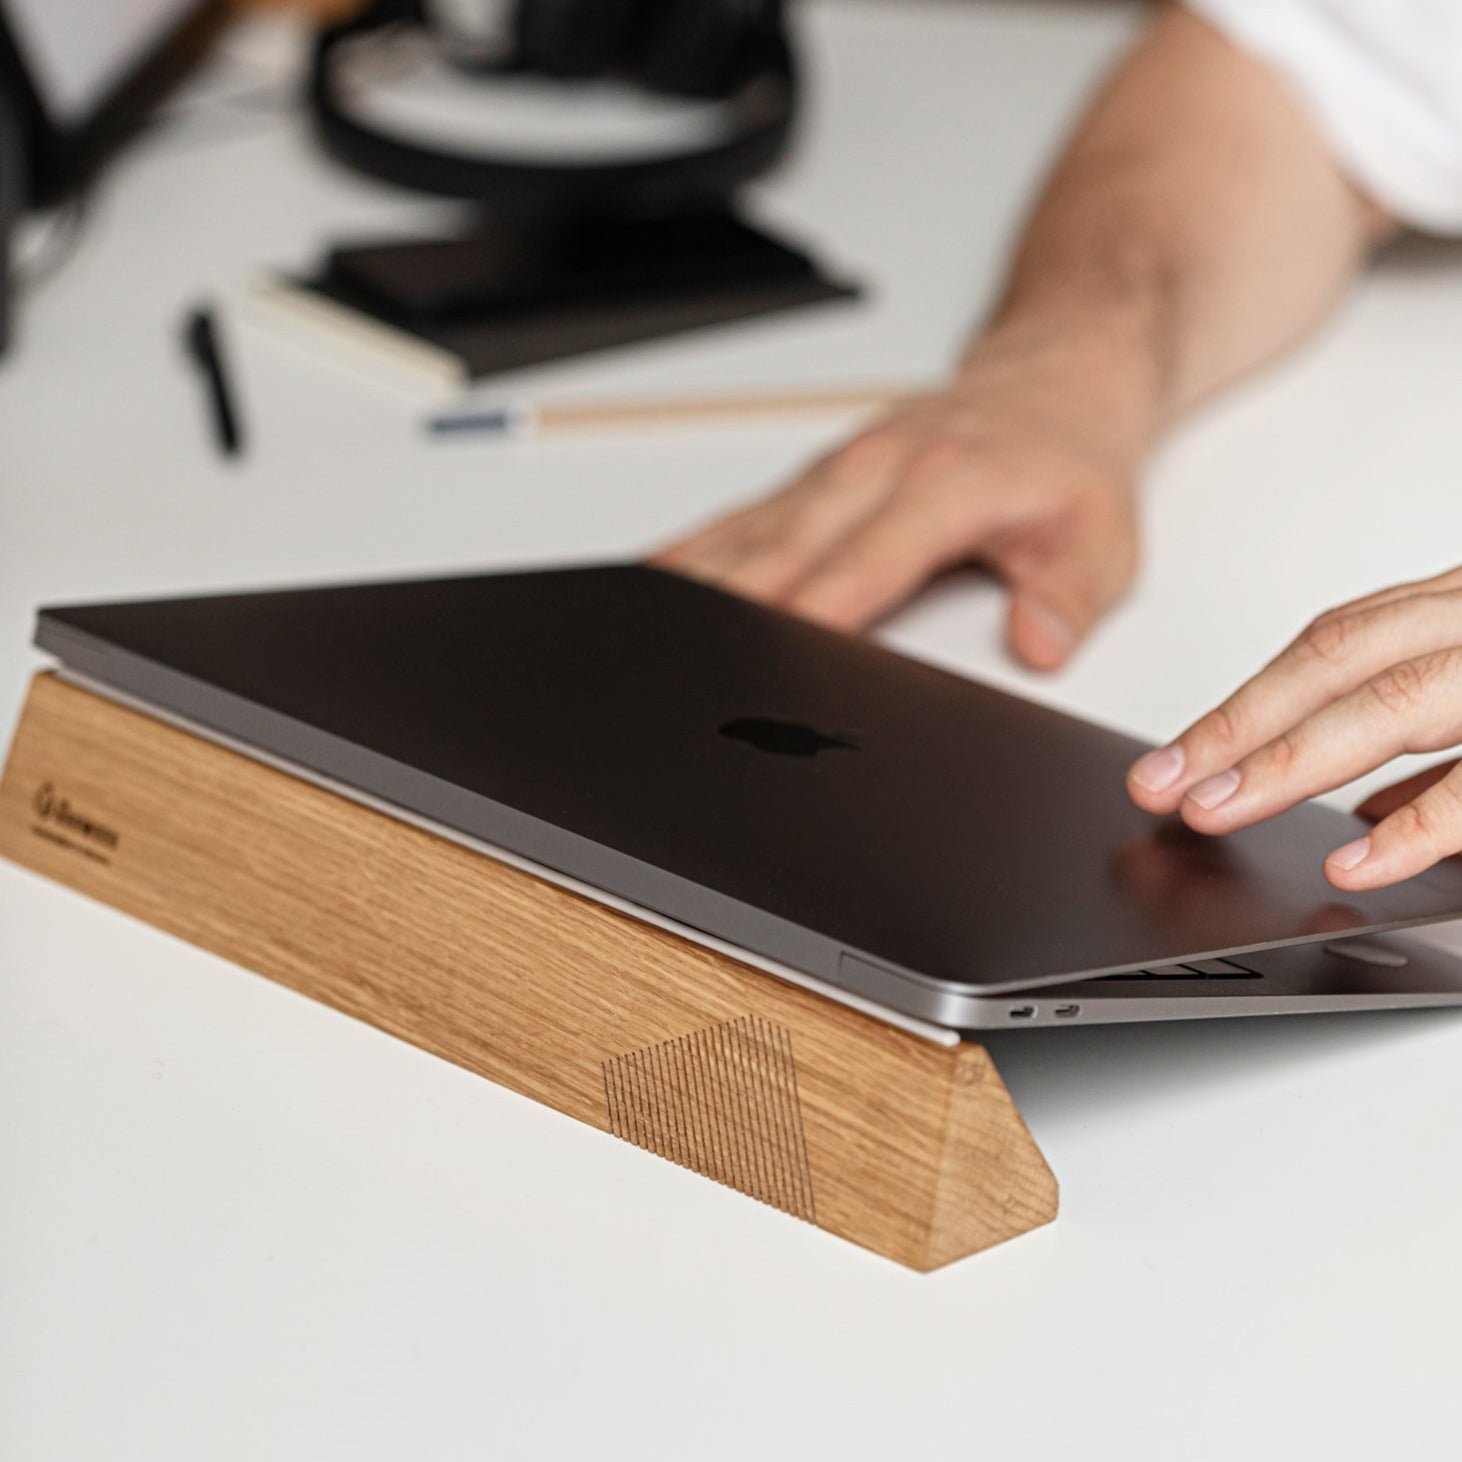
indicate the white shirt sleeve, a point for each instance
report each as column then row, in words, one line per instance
column 1383, row 79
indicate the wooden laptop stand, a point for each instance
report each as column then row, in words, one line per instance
column 908, row 1147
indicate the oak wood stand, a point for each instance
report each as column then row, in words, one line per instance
column 910, row 1148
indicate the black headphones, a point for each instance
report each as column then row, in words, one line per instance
column 735, row 51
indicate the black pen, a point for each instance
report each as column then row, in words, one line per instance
column 200, row 339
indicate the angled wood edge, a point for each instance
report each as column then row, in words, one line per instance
column 910, row 1149
column 992, row 1177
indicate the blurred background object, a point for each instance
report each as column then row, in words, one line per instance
column 722, row 72
column 84, row 75
column 12, row 200
column 598, row 153
column 320, row 9
column 77, row 78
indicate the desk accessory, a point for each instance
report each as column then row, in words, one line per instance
column 524, row 418
column 440, row 314
column 903, row 1143
column 71, row 94
column 12, row 201
column 733, row 52
column 568, row 825
column 204, row 349
column 82, row 90
column 563, row 253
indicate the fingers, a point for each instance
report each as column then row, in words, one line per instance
column 1437, row 583
column 1337, row 654
column 1365, row 683
column 1413, row 706
column 1418, row 834
column 765, row 550
column 1388, row 799
column 936, row 515
column 1039, row 635
column 1059, row 593
column 1067, row 550
column 951, row 481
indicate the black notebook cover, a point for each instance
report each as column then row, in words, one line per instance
column 499, row 301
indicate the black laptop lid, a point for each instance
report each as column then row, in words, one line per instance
column 796, row 791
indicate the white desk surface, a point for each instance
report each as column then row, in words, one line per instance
column 235, row 1225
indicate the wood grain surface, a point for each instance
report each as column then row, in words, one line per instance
column 908, row 1148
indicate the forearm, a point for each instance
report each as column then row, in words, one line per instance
column 1195, row 227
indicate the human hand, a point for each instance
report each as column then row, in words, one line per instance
column 1364, row 683
column 1026, row 463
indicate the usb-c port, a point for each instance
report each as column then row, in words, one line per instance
column 1022, row 1012
column 1067, row 1012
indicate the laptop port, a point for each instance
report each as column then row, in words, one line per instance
column 1067, row 1012
column 1022, row 1012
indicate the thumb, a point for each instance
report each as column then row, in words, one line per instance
column 1063, row 587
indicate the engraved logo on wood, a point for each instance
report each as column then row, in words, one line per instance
column 722, row 1101
column 59, row 822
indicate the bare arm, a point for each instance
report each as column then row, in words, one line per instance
column 1195, row 227
column 1197, row 202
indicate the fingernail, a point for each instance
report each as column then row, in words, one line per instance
column 1055, row 639
column 1159, row 769
column 1214, row 791
column 1352, row 855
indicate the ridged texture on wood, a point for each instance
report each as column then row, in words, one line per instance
column 723, row 1102
column 911, row 1149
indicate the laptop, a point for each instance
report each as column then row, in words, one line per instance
column 886, row 832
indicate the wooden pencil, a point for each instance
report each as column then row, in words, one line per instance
column 524, row 418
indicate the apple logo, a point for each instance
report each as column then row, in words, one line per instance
column 783, row 738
